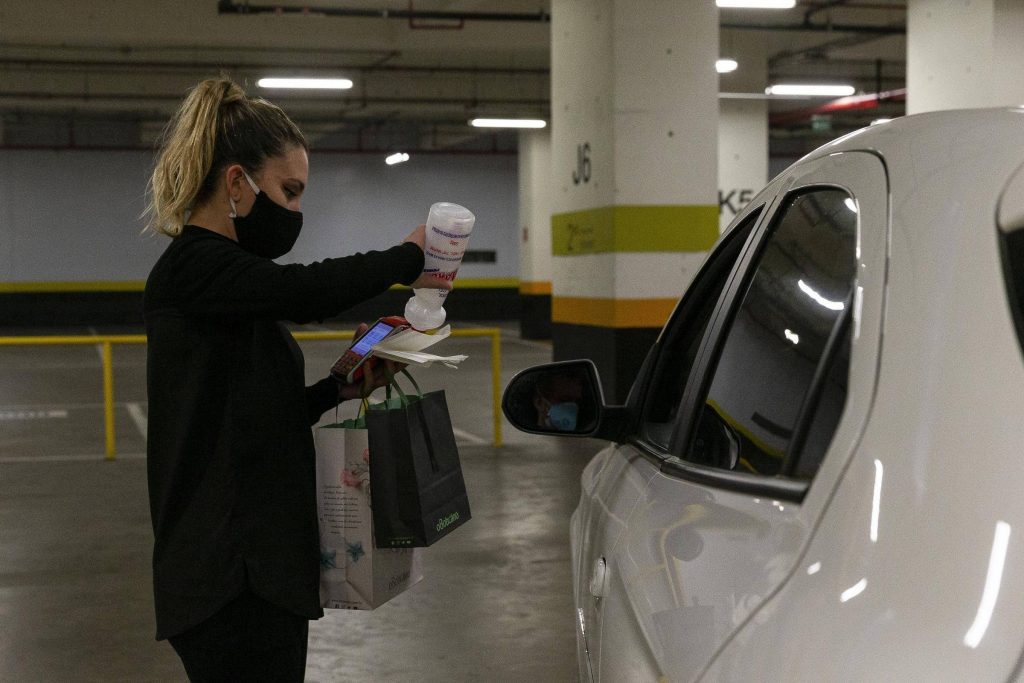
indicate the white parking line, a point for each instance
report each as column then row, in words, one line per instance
column 139, row 418
column 60, row 406
column 466, row 436
column 22, row 414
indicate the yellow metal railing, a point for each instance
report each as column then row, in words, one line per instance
column 107, row 342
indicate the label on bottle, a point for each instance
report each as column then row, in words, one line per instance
column 443, row 254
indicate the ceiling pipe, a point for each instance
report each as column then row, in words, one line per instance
column 880, row 6
column 123, row 51
column 341, row 101
column 231, row 7
column 70, row 147
column 106, row 65
column 866, row 29
column 852, row 103
column 822, row 8
column 822, row 48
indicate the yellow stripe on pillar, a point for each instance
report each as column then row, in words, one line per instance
column 615, row 313
column 535, row 288
column 627, row 228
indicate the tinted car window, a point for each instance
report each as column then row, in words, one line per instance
column 1012, row 247
column 825, row 414
column 685, row 332
column 798, row 295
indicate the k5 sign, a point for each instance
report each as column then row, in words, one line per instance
column 731, row 202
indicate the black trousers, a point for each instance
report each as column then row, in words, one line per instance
column 248, row 640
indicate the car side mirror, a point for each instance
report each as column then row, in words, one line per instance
column 563, row 399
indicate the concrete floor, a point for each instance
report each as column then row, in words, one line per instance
column 75, row 537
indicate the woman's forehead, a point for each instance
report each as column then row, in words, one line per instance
column 294, row 163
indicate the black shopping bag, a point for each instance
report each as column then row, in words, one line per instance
column 419, row 495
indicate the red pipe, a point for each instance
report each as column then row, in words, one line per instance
column 851, row 103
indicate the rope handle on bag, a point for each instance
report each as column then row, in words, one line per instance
column 364, row 405
column 401, row 394
column 364, row 401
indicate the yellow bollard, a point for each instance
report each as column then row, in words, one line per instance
column 108, row 366
column 108, row 399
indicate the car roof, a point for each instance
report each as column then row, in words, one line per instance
column 932, row 137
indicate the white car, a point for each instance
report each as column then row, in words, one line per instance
column 819, row 472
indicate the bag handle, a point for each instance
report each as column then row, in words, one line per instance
column 364, row 405
column 392, row 382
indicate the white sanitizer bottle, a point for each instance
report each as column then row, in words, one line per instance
column 448, row 228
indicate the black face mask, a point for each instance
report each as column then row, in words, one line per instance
column 269, row 229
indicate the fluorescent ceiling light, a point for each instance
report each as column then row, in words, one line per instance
column 508, row 123
column 306, row 83
column 757, row 4
column 811, row 90
column 724, row 66
column 396, row 158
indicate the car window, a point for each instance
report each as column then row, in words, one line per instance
column 1012, row 247
column 782, row 343
column 824, row 415
column 685, row 332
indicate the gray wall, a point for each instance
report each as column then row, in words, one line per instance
column 74, row 215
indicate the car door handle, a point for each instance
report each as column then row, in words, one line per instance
column 597, row 577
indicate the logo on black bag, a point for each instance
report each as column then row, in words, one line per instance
column 446, row 522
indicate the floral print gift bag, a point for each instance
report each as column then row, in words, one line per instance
column 354, row 574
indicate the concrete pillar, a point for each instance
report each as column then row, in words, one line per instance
column 634, row 172
column 742, row 125
column 535, row 234
column 964, row 54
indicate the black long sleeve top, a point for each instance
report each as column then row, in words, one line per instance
column 231, row 464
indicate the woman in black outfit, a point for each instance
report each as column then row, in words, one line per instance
column 230, row 452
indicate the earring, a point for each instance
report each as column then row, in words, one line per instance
column 234, row 209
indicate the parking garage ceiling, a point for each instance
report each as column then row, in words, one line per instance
column 96, row 73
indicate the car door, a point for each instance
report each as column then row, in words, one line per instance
column 747, row 417
column 614, row 481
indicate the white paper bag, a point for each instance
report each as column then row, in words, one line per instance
column 354, row 574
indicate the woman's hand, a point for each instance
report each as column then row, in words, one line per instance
column 425, row 280
column 418, row 236
column 377, row 372
column 429, row 281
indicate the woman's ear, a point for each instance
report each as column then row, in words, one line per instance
column 234, row 179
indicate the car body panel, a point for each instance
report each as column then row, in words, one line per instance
column 1011, row 203
column 695, row 561
column 611, row 485
column 917, row 567
column 904, row 558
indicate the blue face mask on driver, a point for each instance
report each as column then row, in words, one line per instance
column 563, row 416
